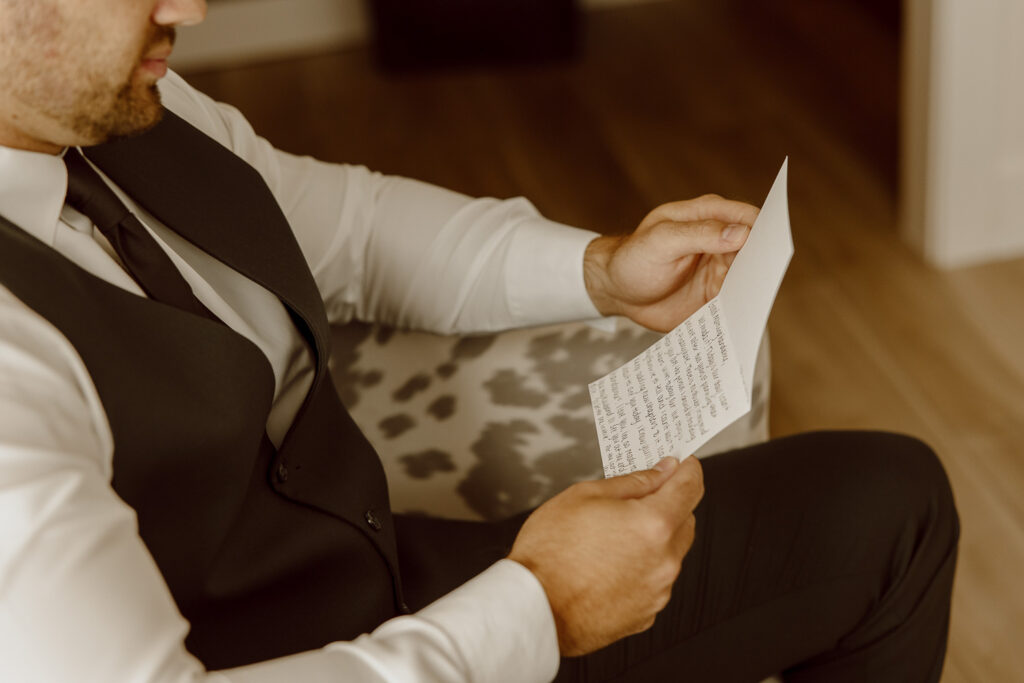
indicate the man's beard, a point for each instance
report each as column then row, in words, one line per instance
column 134, row 109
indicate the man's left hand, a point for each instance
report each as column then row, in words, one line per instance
column 671, row 265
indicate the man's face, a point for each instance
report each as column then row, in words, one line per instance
column 80, row 72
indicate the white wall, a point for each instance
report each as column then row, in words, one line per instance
column 963, row 142
column 243, row 30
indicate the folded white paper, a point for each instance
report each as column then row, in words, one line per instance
column 696, row 380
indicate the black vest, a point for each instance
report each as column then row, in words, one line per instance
column 266, row 551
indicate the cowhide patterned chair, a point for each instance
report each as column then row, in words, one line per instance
column 484, row 427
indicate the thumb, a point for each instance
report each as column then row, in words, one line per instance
column 709, row 236
column 642, row 483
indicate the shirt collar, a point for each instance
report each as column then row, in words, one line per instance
column 32, row 190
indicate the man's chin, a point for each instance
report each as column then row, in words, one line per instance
column 136, row 111
column 139, row 125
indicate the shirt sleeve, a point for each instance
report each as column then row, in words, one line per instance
column 81, row 599
column 397, row 251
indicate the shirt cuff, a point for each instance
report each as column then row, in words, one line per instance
column 544, row 274
column 514, row 630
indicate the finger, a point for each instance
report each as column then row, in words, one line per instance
column 642, row 483
column 715, row 272
column 682, row 539
column 701, row 237
column 710, row 207
column 642, row 626
column 726, row 210
column 678, row 496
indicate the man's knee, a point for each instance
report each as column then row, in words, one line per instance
column 884, row 469
column 917, row 482
column 906, row 503
column 882, row 485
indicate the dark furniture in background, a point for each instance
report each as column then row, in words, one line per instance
column 426, row 33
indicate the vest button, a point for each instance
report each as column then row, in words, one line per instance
column 282, row 473
column 372, row 520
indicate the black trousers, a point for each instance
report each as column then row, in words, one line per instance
column 825, row 556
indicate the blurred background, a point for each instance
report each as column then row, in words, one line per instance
column 904, row 124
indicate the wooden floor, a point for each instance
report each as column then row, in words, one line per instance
column 670, row 100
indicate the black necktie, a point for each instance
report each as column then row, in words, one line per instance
column 143, row 258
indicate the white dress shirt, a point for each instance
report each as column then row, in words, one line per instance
column 80, row 597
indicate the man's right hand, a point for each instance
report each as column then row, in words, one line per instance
column 608, row 552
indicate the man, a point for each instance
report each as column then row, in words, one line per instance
column 182, row 491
